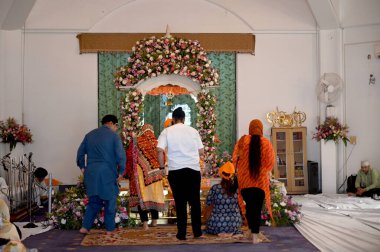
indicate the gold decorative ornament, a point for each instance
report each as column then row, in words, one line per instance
column 282, row 119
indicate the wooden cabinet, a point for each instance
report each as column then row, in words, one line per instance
column 291, row 160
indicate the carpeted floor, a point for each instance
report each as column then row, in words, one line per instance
column 282, row 239
column 163, row 234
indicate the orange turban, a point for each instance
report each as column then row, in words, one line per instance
column 168, row 122
column 227, row 170
column 256, row 127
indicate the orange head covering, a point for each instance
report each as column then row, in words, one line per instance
column 256, row 127
column 168, row 122
column 227, row 170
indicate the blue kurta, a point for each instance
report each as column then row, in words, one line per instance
column 105, row 161
column 225, row 216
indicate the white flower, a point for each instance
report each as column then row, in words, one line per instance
column 117, row 219
column 63, row 221
column 275, row 205
column 283, row 203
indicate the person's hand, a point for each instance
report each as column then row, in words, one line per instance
column 82, row 170
column 360, row 191
column 119, row 178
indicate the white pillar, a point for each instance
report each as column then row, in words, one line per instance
column 329, row 165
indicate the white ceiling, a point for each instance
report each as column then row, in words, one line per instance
column 83, row 14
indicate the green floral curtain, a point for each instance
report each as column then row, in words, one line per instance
column 152, row 112
column 226, row 99
column 109, row 97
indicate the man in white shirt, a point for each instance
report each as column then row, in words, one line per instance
column 184, row 148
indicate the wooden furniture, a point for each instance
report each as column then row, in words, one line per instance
column 291, row 160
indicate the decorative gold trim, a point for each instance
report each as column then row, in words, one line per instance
column 282, row 119
column 123, row 42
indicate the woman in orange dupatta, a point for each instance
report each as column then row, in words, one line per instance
column 145, row 176
column 253, row 158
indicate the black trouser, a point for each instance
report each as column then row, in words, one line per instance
column 144, row 214
column 371, row 192
column 186, row 184
column 254, row 198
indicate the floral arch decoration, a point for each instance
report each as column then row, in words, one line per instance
column 168, row 55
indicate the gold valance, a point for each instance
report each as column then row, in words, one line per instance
column 123, row 42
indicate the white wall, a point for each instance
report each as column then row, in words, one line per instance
column 11, row 79
column 282, row 74
column 61, row 85
column 61, row 101
column 362, row 99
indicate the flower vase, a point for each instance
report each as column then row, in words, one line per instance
column 329, row 164
column 15, row 150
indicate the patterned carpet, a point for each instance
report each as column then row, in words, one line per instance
column 160, row 235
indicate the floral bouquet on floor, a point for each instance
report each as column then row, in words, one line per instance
column 69, row 207
column 11, row 132
column 285, row 211
column 331, row 129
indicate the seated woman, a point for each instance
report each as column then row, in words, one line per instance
column 145, row 176
column 225, row 216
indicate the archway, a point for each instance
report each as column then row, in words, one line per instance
column 161, row 58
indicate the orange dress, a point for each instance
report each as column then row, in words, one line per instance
column 241, row 162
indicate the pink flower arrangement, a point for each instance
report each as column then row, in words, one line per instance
column 132, row 107
column 68, row 210
column 331, row 129
column 11, row 132
column 167, row 55
column 284, row 210
column 206, row 124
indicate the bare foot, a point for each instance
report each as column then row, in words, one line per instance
column 154, row 223
column 145, row 225
column 83, row 230
column 256, row 239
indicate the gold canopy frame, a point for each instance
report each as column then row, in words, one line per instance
column 123, row 42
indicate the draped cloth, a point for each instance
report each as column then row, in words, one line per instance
column 145, row 176
column 241, row 162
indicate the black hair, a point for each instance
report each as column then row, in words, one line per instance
column 40, row 172
column 255, row 155
column 178, row 114
column 230, row 186
column 109, row 118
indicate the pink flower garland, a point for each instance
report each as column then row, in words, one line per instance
column 206, row 123
column 167, row 55
column 131, row 106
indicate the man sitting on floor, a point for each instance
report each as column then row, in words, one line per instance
column 41, row 189
column 367, row 181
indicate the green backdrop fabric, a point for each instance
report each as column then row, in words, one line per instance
column 109, row 97
column 152, row 112
column 226, row 99
column 155, row 109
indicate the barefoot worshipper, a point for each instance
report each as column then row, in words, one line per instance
column 184, row 148
column 103, row 150
column 254, row 158
column 145, row 176
column 225, row 217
